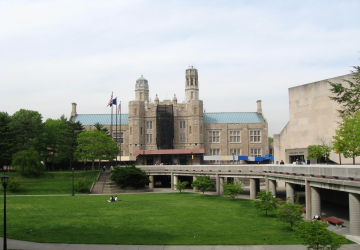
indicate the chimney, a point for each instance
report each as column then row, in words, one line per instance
column 73, row 111
column 259, row 109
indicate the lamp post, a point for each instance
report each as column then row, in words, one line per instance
column 73, row 190
column 4, row 180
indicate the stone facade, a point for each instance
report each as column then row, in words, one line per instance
column 224, row 133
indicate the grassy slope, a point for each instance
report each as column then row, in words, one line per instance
column 143, row 219
column 51, row 182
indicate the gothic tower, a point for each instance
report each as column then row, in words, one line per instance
column 191, row 84
column 142, row 90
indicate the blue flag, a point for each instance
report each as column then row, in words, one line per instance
column 114, row 101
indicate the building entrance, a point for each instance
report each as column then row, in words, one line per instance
column 294, row 158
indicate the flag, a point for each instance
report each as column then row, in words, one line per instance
column 119, row 108
column 114, row 101
column 110, row 101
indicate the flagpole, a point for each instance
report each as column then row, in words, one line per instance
column 120, row 131
column 116, row 133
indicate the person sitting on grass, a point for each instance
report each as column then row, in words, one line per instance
column 116, row 199
column 111, row 199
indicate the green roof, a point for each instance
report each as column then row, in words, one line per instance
column 221, row 117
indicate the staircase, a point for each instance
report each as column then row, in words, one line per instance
column 104, row 185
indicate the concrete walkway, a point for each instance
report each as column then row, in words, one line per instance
column 26, row 245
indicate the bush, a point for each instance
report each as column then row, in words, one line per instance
column 232, row 189
column 13, row 185
column 181, row 185
column 267, row 202
column 203, row 183
column 129, row 177
column 81, row 185
column 290, row 212
column 27, row 162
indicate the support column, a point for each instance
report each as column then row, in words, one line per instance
column 257, row 186
column 176, row 178
column 195, row 189
column 315, row 202
column 151, row 184
column 172, row 180
column 272, row 187
column 354, row 213
column 217, row 184
column 290, row 194
column 308, row 200
column 252, row 189
column 267, row 188
column 221, row 188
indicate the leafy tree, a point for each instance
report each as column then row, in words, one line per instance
column 95, row 145
column 203, row 183
column 6, row 141
column 129, row 177
column 27, row 162
column 75, row 129
column 319, row 152
column 316, row 236
column 267, row 202
column 347, row 138
column 181, row 185
column 232, row 189
column 27, row 130
column 290, row 212
column 100, row 127
column 347, row 94
column 58, row 140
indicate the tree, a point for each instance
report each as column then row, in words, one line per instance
column 347, row 138
column 129, row 177
column 75, row 129
column 27, row 130
column 290, row 212
column 181, row 185
column 100, row 127
column 267, row 202
column 58, row 141
column 348, row 94
column 316, row 236
column 203, row 183
column 319, row 152
column 232, row 189
column 95, row 145
column 6, row 141
column 27, row 162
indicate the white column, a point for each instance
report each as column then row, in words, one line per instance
column 195, row 189
column 290, row 194
column 217, row 184
column 176, row 178
column 221, row 188
column 315, row 202
column 354, row 213
column 308, row 200
column 151, row 184
column 252, row 189
column 172, row 181
column 267, row 188
column 272, row 187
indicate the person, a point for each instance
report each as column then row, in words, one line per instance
column 116, row 199
column 110, row 199
column 111, row 168
column 104, row 168
column 282, row 162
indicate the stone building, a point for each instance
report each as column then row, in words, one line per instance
column 313, row 120
column 169, row 132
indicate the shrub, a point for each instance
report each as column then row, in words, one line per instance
column 232, row 189
column 267, row 202
column 290, row 212
column 129, row 177
column 181, row 185
column 81, row 185
column 27, row 162
column 203, row 183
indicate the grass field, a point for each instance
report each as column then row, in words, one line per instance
column 149, row 219
column 50, row 182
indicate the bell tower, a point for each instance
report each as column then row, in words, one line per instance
column 191, row 84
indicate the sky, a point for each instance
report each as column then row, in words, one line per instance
column 55, row 52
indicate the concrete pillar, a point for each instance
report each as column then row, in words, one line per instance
column 267, row 188
column 151, row 184
column 176, row 178
column 221, row 188
column 172, row 181
column 315, row 202
column 217, row 184
column 257, row 186
column 272, row 187
column 195, row 189
column 354, row 213
column 308, row 200
column 252, row 189
column 290, row 194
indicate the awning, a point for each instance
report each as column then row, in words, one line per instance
column 195, row 151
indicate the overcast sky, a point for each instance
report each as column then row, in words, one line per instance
column 55, row 52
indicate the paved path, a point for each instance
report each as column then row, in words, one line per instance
column 26, row 245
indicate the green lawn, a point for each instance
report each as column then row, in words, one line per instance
column 149, row 219
column 50, row 182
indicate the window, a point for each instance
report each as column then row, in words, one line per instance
column 130, row 130
column 235, row 151
column 255, row 136
column 192, row 95
column 182, row 124
column 148, row 124
column 148, row 138
column 141, row 131
column 255, row 152
column 214, row 151
column 190, row 130
column 118, row 137
column 234, row 136
column 214, row 136
column 182, row 137
column 135, row 111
